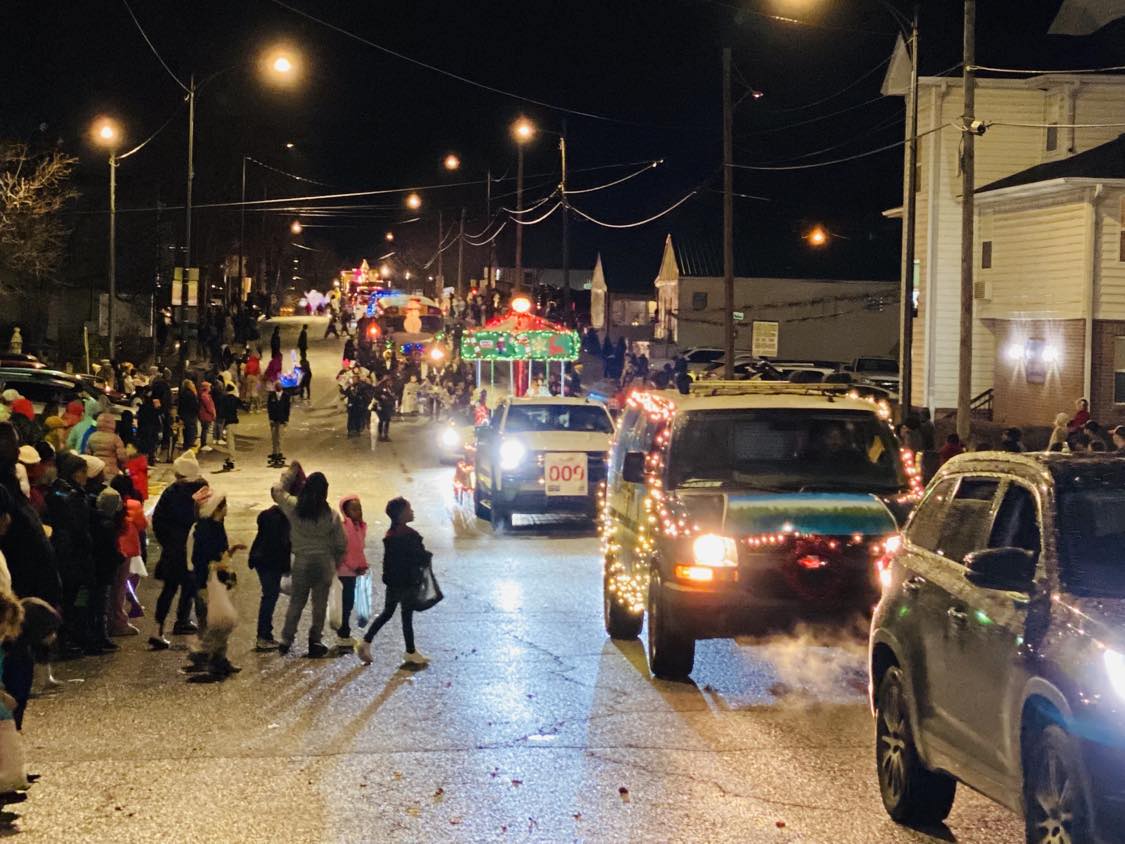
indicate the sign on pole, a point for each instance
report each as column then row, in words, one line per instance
column 763, row 341
column 193, row 286
column 177, row 286
column 739, row 316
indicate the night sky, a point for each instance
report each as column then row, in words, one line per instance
column 361, row 119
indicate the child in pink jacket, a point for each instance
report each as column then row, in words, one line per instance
column 353, row 564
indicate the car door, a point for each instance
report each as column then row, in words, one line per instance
column 486, row 451
column 618, row 492
column 988, row 648
column 965, row 528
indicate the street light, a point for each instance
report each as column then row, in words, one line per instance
column 523, row 130
column 389, row 237
column 451, row 162
column 817, row 236
column 413, row 201
column 296, row 227
column 107, row 134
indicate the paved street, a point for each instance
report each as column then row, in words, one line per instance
column 528, row 725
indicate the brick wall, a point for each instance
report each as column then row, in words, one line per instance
column 1101, row 404
column 1015, row 401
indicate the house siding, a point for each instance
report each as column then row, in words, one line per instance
column 1101, row 400
column 1111, row 284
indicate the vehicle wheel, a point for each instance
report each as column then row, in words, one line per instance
column 482, row 511
column 911, row 792
column 501, row 517
column 1055, row 796
column 671, row 653
column 619, row 622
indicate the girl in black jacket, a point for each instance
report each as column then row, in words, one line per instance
column 404, row 559
column 270, row 557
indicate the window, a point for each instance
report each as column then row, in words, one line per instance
column 985, row 240
column 925, row 527
column 1052, row 138
column 986, row 255
column 1119, row 370
column 1017, row 522
column 1121, row 220
column 699, row 301
column 966, row 525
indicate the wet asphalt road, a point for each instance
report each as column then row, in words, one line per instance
column 528, row 725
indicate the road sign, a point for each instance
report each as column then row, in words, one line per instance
column 739, row 316
column 763, row 341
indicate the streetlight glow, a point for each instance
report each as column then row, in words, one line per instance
column 523, row 130
column 389, row 237
column 452, row 162
column 818, row 236
column 282, row 64
column 296, row 227
column 106, row 132
column 413, row 201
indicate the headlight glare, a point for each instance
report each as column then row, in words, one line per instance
column 713, row 550
column 450, row 438
column 1115, row 670
column 512, row 453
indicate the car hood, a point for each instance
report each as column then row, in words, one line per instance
column 822, row 513
column 562, row 440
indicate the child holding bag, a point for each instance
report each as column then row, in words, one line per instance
column 352, row 566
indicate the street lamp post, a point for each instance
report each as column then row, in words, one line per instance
column 523, row 130
column 108, row 134
column 565, row 228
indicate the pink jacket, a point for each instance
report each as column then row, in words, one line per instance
column 354, row 562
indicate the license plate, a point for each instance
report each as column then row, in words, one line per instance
column 565, row 473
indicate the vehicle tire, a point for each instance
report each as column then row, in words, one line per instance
column 500, row 517
column 619, row 622
column 1056, row 799
column 481, row 510
column 911, row 792
column 671, row 653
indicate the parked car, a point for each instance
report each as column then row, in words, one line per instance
column 998, row 648
column 42, row 386
column 541, row 455
column 882, row 371
column 740, row 509
column 20, row 361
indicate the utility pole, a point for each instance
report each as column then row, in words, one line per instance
column 518, row 285
column 112, row 251
column 438, row 283
column 965, row 370
column 565, row 230
column 488, row 220
column 461, row 255
column 190, row 174
column 241, row 228
column 728, row 219
column 910, row 220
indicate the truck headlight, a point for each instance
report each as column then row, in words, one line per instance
column 713, row 550
column 512, row 453
column 1115, row 670
column 450, row 438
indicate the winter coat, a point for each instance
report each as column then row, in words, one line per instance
column 106, row 554
column 188, row 405
column 125, row 428
column 206, row 404
column 314, row 540
column 76, row 439
column 161, row 391
column 354, row 562
column 171, row 521
column 31, row 556
column 277, row 407
column 129, row 535
column 69, row 515
column 105, row 444
column 228, row 408
column 275, row 343
column 137, row 467
column 272, row 549
column 208, row 545
column 148, row 427
column 404, row 557
column 410, row 398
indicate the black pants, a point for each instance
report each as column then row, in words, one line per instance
column 384, row 426
column 306, row 387
column 168, row 592
column 393, row 600
column 271, row 588
column 347, row 604
column 331, row 329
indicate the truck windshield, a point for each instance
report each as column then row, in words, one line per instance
column 1092, row 530
column 879, row 365
column 790, row 449
column 558, row 417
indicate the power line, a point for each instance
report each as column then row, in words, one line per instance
column 1055, row 125
column 539, row 220
column 838, row 160
column 878, row 127
column 289, row 175
column 816, row 119
column 495, row 235
column 530, row 208
column 464, row 79
column 835, row 94
column 145, row 142
column 1032, row 72
column 645, row 169
column 667, row 210
column 152, row 46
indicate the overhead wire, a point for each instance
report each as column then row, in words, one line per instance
column 145, row 142
column 539, row 220
column 652, row 166
column 816, row 119
column 489, row 240
column 633, row 225
column 814, row 165
column 1033, row 72
column 152, row 46
column 463, row 79
column 530, row 208
column 835, row 94
column 288, row 175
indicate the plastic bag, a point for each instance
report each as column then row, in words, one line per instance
column 286, row 584
column 425, row 594
column 221, row 614
column 13, row 775
column 137, row 566
column 363, row 599
column 336, row 604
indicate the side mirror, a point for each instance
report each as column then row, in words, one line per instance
column 1008, row 569
column 633, row 469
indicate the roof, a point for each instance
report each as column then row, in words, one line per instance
column 1102, row 162
column 553, row 400
column 763, row 394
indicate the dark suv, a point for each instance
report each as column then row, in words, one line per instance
column 998, row 648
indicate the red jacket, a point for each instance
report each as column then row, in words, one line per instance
column 137, row 467
column 206, row 404
column 129, row 538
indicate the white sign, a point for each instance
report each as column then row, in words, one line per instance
column 763, row 342
column 564, row 473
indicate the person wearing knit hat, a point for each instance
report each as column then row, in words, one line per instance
column 109, row 514
column 95, row 468
column 209, row 552
column 9, row 395
column 172, row 520
column 23, row 407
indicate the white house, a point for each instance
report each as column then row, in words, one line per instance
column 822, row 319
column 1046, row 234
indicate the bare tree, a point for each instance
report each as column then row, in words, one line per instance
column 34, row 188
